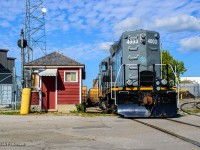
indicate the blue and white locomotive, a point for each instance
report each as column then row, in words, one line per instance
column 131, row 82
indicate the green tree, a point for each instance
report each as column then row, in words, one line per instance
column 168, row 59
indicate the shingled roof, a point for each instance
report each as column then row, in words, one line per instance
column 54, row 59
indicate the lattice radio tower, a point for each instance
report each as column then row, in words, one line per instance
column 33, row 37
column 34, row 29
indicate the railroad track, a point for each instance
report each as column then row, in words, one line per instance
column 191, row 104
column 194, row 125
column 188, row 140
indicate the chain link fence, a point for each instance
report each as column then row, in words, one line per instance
column 190, row 98
column 10, row 95
column 189, row 90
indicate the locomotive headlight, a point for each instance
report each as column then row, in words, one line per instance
column 164, row 82
column 156, row 36
column 157, row 82
column 129, row 82
column 158, row 88
column 142, row 38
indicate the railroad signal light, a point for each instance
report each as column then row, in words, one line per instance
column 19, row 43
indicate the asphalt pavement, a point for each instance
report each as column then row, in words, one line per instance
column 50, row 132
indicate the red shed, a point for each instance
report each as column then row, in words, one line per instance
column 56, row 82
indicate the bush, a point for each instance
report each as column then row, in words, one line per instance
column 80, row 107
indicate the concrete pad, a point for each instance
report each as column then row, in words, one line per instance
column 37, row 132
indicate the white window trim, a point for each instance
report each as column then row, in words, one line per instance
column 71, row 71
column 80, row 86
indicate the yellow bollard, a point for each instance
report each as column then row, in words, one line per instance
column 181, row 96
column 25, row 102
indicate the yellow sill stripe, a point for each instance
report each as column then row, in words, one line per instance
column 135, row 89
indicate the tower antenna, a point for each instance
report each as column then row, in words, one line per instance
column 34, row 29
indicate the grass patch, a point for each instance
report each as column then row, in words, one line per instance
column 91, row 114
column 195, row 111
column 83, row 111
column 9, row 112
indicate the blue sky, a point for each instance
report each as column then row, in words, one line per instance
column 84, row 29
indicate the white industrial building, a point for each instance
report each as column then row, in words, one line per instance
column 193, row 79
column 193, row 86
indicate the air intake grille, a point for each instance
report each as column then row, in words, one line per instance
column 146, row 78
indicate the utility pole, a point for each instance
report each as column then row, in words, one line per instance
column 22, row 43
column 22, row 58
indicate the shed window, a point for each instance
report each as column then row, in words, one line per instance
column 35, row 81
column 71, row 77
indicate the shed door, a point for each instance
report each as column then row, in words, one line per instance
column 48, row 92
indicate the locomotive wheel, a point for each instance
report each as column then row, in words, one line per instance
column 110, row 107
column 114, row 109
column 89, row 102
column 104, row 105
column 106, row 108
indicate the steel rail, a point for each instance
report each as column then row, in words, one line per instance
column 196, row 143
column 194, row 125
column 185, row 111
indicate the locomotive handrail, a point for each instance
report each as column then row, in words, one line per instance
column 111, row 82
column 177, row 82
column 171, row 69
column 114, row 98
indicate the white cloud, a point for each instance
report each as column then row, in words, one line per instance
column 118, row 16
column 179, row 23
column 10, row 9
column 4, row 24
column 85, row 52
column 106, row 20
column 82, row 51
column 105, row 45
column 190, row 44
column 127, row 24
